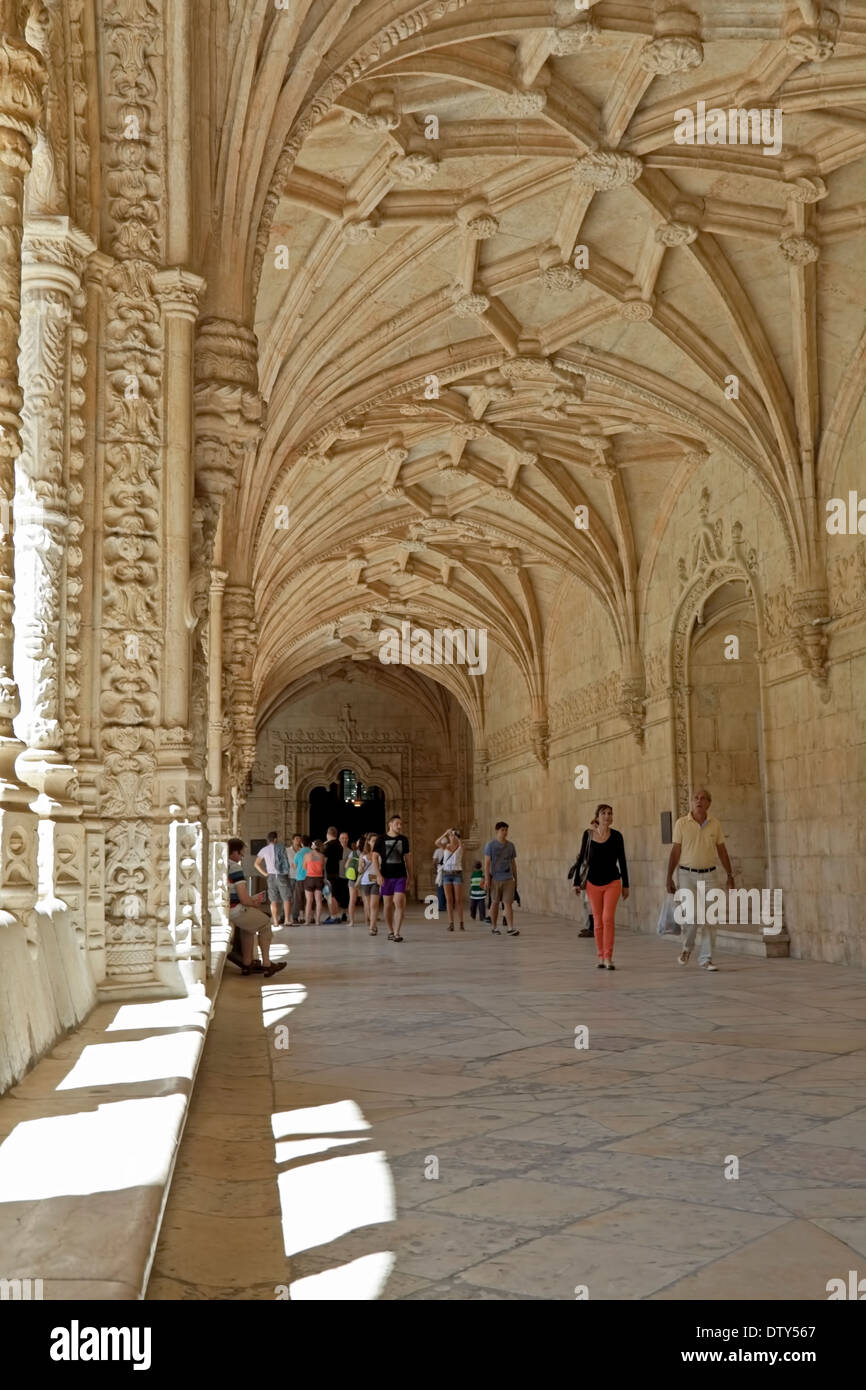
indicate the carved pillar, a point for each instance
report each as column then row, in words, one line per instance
column 177, row 292
column 228, row 413
column 22, row 75
column 240, row 639
column 130, row 448
column 217, row 820
column 46, row 584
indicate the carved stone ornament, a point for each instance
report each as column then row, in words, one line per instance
column 483, row 227
column 814, row 45
column 564, row 43
column 671, row 53
column 634, row 308
column 360, row 230
column 467, row 306
column 561, row 277
column 414, row 169
column 604, row 170
column 799, row 250
column 807, row 188
column 676, row 233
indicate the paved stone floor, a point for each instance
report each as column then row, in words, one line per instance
column 415, row 1121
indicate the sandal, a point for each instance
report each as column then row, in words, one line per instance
column 450, row 926
column 391, row 936
column 246, row 970
column 272, row 969
column 462, row 928
column 398, row 938
column 374, row 931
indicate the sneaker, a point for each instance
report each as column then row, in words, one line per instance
column 327, row 921
column 495, row 930
column 708, row 965
column 609, row 965
column 600, row 965
column 512, row 931
column 586, row 932
column 683, row 957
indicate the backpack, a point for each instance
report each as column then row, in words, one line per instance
column 352, row 867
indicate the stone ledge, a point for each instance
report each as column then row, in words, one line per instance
column 88, row 1141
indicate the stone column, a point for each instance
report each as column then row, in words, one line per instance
column 177, row 293
column 217, row 820
column 240, row 636
column 22, row 75
column 184, row 947
column 53, row 257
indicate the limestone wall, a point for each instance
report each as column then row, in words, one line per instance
column 792, row 812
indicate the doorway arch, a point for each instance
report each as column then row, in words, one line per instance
column 330, row 805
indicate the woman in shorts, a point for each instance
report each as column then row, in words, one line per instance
column 369, row 885
column 314, row 868
column 452, row 875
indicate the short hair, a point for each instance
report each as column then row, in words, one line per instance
column 697, row 791
column 272, row 837
column 317, row 845
column 332, row 830
column 236, row 844
column 396, row 816
column 501, row 825
column 307, row 841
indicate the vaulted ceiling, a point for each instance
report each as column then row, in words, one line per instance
column 576, row 285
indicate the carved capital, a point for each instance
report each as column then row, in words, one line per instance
column 177, row 292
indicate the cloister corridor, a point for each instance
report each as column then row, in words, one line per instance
column 554, row 1166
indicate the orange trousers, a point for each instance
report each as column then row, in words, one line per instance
column 604, row 901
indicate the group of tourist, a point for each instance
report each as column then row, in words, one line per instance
column 378, row 867
column 375, row 868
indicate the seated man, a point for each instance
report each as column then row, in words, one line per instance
column 246, row 916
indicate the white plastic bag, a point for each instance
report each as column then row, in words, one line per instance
column 667, row 924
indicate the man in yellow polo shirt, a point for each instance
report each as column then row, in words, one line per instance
column 698, row 838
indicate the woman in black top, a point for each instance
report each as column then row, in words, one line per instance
column 606, row 881
column 589, row 928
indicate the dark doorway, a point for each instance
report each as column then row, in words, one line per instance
column 349, row 805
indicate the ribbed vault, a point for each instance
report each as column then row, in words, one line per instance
column 463, row 339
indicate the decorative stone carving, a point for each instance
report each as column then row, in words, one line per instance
column 382, row 114
column 711, row 564
column 632, row 706
column 561, row 277
column 240, row 633
column 564, row 43
column 607, row 169
column 634, row 308
column 799, row 250
column 676, row 233
column 815, row 45
column 467, row 306
column 806, row 189
column 360, row 230
column 46, row 483
column 414, row 169
column 672, row 53
column 482, row 227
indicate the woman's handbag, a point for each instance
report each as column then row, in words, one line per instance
column 667, row 923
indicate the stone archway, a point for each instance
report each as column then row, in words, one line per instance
column 712, row 564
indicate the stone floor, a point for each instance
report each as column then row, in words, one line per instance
column 415, row 1121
